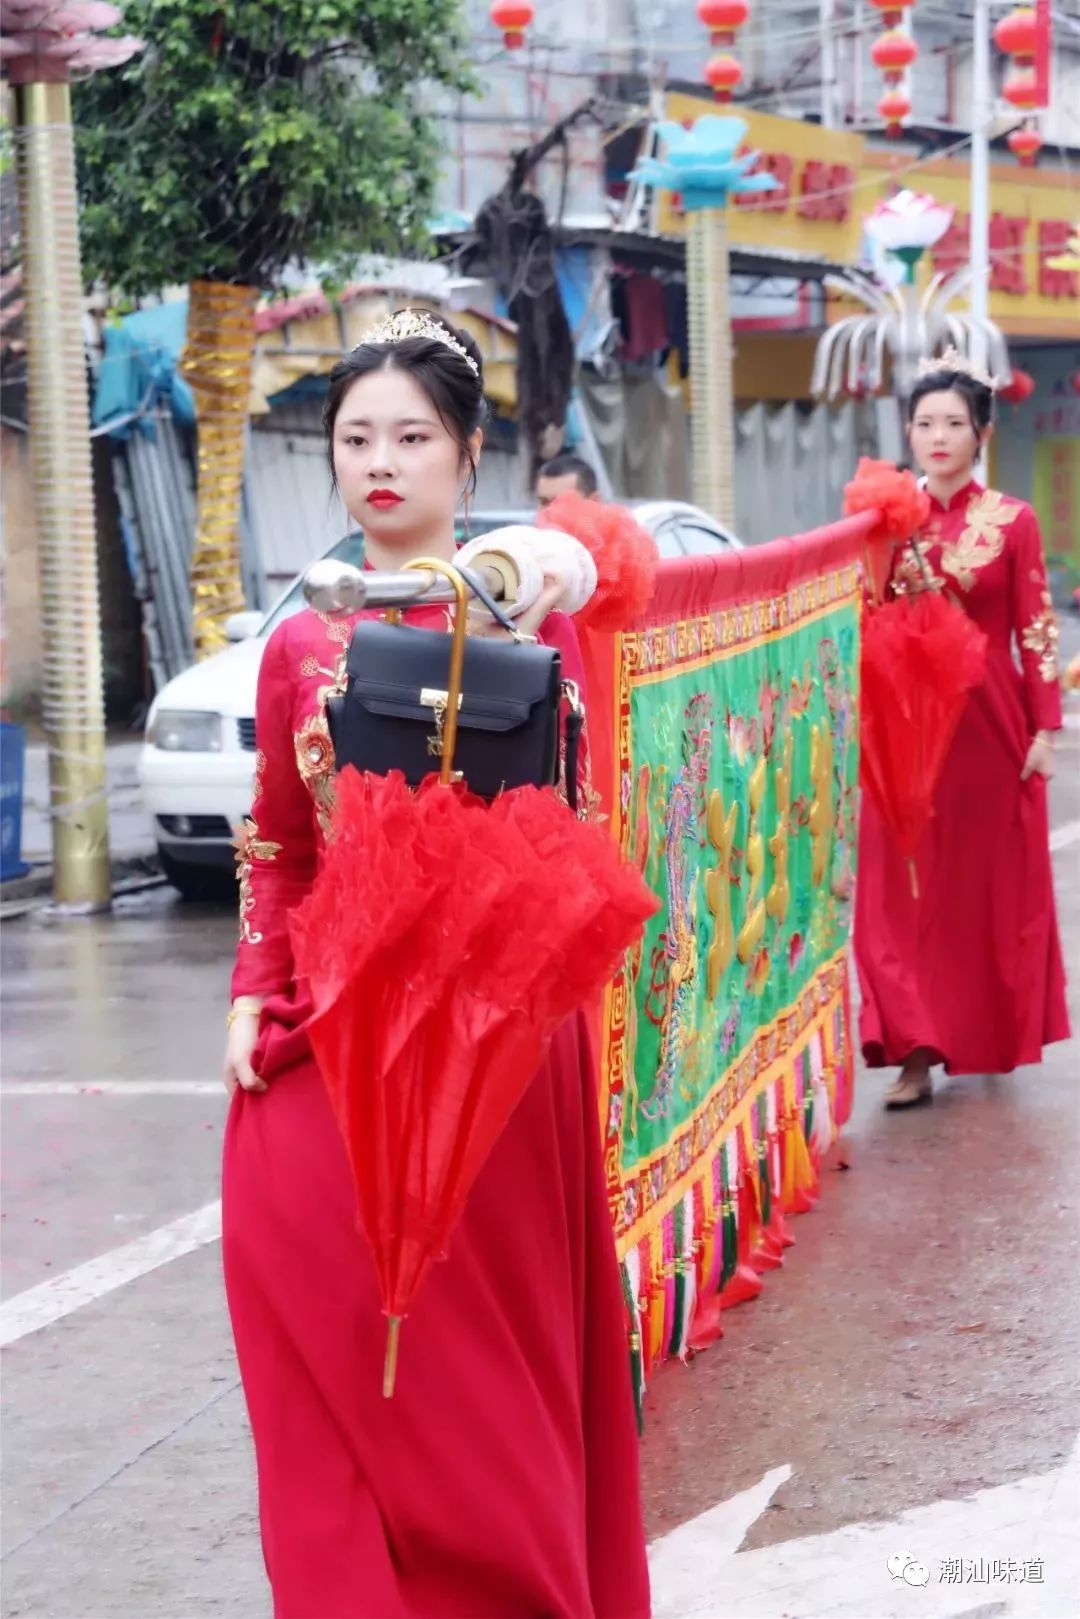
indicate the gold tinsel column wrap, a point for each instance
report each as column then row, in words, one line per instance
column 72, row 700
column 711, row 378
column 217, row 363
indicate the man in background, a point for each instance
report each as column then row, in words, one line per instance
column 563, row 473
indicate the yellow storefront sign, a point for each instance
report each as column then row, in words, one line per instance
column 828, row 180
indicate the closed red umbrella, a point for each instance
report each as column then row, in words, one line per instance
column 445, row 940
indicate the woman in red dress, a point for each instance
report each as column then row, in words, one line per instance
column 501, row 1481
column 970, row 973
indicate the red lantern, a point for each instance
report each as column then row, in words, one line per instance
column 1020, row 89
column 1021, row 386
column 1026, row 144
column 512, row 17
column 1018, row 34
column 893, row 53
column 892, row 10
column 894, row 107
column 723, row 18
column 724, row 73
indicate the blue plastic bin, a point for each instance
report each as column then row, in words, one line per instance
column 12, row 777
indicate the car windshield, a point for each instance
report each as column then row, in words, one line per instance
column 351, row 550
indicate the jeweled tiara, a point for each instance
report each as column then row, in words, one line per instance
column 406, row 323
column 953, row 360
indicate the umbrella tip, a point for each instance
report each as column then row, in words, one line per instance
column 393, row 1333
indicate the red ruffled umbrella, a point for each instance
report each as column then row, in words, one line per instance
column 445, row 940
column 921, row 655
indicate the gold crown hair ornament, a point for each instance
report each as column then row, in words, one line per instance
column 406, row 323
column 953, row 360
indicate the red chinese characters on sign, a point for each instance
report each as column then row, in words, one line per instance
column 1008, row 269
column 782, row 169
column 826, row 191
column 1054, row 239
column 823, row 192
column 1008, row 242
column 953, row 251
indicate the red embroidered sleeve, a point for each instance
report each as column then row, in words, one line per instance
column 276, row 854
column 1035, row 624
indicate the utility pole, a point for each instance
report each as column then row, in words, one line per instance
column 981, row 114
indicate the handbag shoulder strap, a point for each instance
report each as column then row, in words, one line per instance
column 485, row 598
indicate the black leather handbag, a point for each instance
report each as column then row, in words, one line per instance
column 480, row 711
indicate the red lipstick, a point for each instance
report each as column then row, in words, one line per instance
column 384, row 499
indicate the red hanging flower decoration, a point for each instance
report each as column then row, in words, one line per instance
column 901, row 506
column 880, row 486
column 625, row 554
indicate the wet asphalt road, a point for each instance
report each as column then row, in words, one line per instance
column 922, row 1340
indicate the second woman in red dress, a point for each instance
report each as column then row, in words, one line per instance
column 970, row 974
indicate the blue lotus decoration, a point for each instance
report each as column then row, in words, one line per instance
column 701, row 165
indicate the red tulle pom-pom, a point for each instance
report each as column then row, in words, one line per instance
column 895, row 495
column 625, row 554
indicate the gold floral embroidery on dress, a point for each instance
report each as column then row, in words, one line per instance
column 260, row 771
column 250, row 846
column 982, row 539
column 338, row 628
column 911, row 571
column 1041, row 635
column 315, row 750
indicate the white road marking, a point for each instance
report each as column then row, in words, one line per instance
column 114, row 1087
column 1062, row 836
column 51, row 1301
column 845, row 1574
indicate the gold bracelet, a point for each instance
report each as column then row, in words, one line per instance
column 243, row 1006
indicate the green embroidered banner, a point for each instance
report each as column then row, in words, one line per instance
column 731, row 781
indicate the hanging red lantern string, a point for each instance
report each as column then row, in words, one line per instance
column 1021, row 386
column 724, row 73
column 1026, row 144
column 723, row 19
column 1018, row 35
column 512, row 17
column 894, row 107
column 1020, row 89
column 892, row 11
column 894, row 52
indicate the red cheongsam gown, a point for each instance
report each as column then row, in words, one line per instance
column 972, row 969
column 501, row 1481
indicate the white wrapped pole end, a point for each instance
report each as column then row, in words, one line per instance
column 529, row 555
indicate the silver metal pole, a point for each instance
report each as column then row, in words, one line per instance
column 981, row 115
column 827, row 24
column 339, row 587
